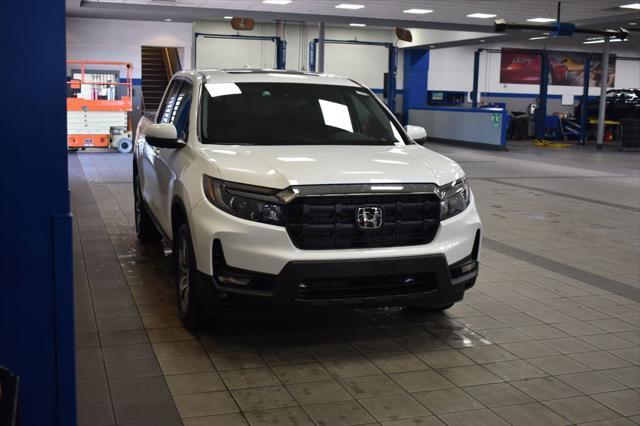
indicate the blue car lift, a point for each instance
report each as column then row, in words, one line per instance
column 281, row 45
column 540, row 119
column 393, row 63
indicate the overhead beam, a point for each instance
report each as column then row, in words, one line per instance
column 192, row 14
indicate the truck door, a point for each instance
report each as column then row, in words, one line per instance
column 151, row 189
column 169, row 162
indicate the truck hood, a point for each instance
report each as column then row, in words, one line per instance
column 283, row 166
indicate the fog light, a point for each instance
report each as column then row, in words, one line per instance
column 233, row 280
column 468, row 267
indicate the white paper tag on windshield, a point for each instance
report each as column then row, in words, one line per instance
column 222, row 89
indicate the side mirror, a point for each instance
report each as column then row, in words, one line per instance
column 417, row 133
column 163, row 135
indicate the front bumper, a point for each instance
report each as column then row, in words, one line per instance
column 427, row 281
column 268, row 249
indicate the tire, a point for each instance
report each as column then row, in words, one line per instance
column 184, row 259
column 125, row 145
column 146, row 230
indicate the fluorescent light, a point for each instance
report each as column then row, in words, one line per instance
column 537, row 38
column 633, row 23
column 276, row 1
column 228, row 17
column 349, row 6
column 635, row 6
column 168, row 19
column 417, row 11
column 541, row 20
column 601, row 40
column 481, row 41
column 481, row 15
column 354, row 24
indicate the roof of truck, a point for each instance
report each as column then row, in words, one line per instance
column 248, row 75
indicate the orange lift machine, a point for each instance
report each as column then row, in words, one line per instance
column 98, row 105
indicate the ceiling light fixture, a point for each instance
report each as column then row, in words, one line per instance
column 281, row 2
column 537, row 38
column 355, row 24
column 168, row 19
column 635, row 6
column 481, row 41
column 228, row 17
column 481, row 15
column 601, row 40
column 350, row 6
column 543, row 20
column 633, row 23
column 417, row 11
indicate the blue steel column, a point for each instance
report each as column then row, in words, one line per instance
column 541, row 110
column 476, row 77
column 281, row 54
column 312, row 55
column 584, row 102
column 415, row 80
column 391, row 78
column 36, row 284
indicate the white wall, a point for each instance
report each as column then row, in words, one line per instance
column 452, row 69
column 366, row 64
column 115, row 40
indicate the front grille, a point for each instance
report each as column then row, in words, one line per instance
column 329, row 222
column 345, row 288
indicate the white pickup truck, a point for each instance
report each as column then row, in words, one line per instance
column 296, row 189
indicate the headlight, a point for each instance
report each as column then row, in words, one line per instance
column 455, row 197
column 249, row 202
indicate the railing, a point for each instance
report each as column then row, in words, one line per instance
column 171, row 61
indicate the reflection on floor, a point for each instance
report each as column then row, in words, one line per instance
column 549, row 335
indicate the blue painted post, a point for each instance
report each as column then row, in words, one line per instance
column 584, row 102
column 415, row 81
column 281, row 54
column 36, row 288
column 312, row 55
column 476, row 77
column 391, row 78
column 541, row 110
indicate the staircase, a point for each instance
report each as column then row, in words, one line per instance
column 158, row 65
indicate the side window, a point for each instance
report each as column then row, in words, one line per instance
column 180, row 115
column 166, row 109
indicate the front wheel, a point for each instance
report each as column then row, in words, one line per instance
column 189, row 308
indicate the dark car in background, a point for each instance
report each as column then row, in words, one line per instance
column 621, row 104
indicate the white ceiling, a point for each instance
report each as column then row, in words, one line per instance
column 448, row 15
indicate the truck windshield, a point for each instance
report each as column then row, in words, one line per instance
column 294, row 114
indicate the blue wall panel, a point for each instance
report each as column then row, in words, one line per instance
column 36, row 289
column 416, row 73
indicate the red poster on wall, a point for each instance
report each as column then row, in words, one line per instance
column 565, row 68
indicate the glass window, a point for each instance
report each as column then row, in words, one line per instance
column 166, row 109
column 295, row 114
column 180, row 114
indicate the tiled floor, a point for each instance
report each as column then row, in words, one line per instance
column 550, row 334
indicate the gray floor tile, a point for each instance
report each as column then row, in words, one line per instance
column 338, row 413
column 515, row 370
column 546, row 388
column 559, row 364
column 301, row 373
column 591, row 382
column 394, row 407
column 287, row 416
column 483, row 417
column 205, row 404
column 371, row 386
column 263, row 398
column 318, row 392
column 447, row 401
column 580, row 409
column 147, row 409
column 469, row 375
column 625, row 402
column 234, row 419
column 445, row 358
column 418, row 381
column 249, row 378
column 530, row 415
column 497, row 394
